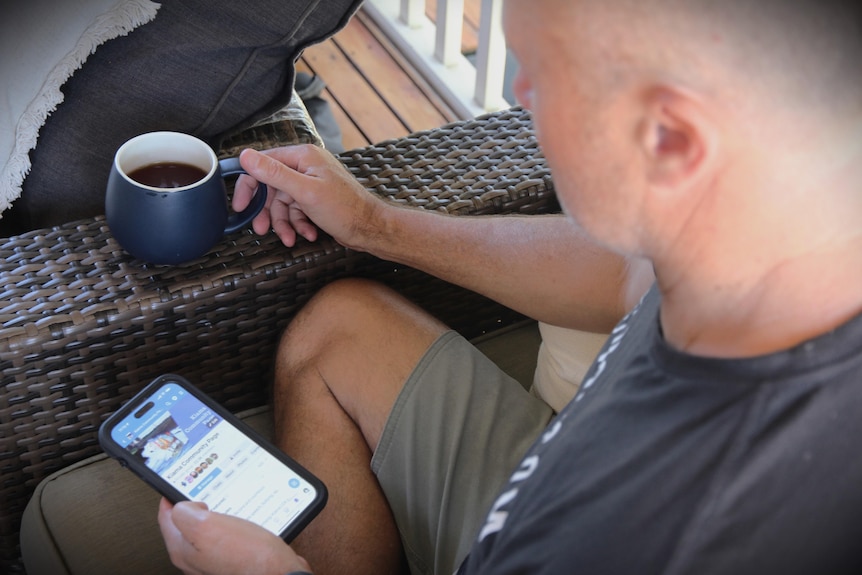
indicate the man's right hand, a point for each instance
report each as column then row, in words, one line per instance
column 308, row 188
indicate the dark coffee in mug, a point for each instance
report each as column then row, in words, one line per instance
column 168, row 175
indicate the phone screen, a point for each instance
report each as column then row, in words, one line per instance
column 206, row 458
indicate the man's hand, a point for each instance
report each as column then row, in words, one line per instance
column 308, row 188
column 201, row 542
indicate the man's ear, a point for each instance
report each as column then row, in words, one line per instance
column 676, row 136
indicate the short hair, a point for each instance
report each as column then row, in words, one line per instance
column 810, row 49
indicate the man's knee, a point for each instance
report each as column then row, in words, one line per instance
column 339, row 311
column 355, row 343
column 356, row 322
column 338, row 305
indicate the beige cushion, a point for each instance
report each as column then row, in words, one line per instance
column 564, row 358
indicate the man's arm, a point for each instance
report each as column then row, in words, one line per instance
column 542, row 266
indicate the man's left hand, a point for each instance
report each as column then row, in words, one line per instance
column 201, row 542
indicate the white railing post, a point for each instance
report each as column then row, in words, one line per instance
column 435, row 51
column 450, row 25
column 412, row 12
column 491, row 55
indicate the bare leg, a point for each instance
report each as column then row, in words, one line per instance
column 340, row 367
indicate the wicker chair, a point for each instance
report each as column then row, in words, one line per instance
column 83, row 325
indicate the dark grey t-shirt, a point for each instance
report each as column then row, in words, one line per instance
column 669, row 463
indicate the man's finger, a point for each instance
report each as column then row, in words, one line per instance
column 243, row 192
column 274, row 172
column 301, row 224
column 280, row 216
column 187, row 515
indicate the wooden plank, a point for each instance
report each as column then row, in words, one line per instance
column 473, row 16
column 373, row 91
column 351, row 136
column 428, row 89
column 354, row 94
column 408, row 100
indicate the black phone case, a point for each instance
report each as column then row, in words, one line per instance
column 164, row 488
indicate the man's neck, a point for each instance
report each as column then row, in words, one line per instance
column 789, row 303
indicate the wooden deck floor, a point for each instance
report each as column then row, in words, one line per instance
column 375, row 94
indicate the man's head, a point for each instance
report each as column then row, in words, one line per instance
column 661, row 115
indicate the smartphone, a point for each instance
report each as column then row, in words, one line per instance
column 188, row 447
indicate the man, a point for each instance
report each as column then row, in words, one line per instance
column 718, row 144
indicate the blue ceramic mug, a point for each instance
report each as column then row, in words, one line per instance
column 166, row 201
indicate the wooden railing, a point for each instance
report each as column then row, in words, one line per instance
column 434, row 48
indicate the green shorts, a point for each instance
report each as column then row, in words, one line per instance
column 456, row 433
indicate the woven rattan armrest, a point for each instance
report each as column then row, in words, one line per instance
column 83, row 326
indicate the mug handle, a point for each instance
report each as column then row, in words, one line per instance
column 241, row 220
